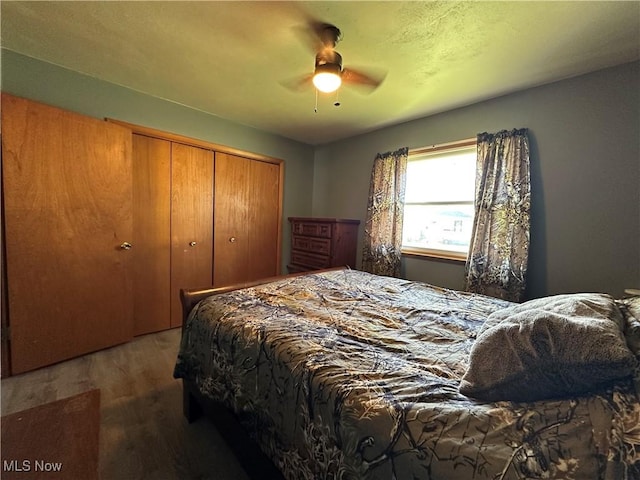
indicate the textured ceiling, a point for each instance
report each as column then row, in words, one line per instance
column 231, row 58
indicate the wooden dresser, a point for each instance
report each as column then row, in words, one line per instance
column 322, row 243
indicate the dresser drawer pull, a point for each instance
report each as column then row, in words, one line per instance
column 312, row 244
column 309, row 259
column 312, row 229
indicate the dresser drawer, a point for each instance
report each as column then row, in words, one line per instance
column 318, row 243
column 312, row 229
column 309, row 259
column 312, row 244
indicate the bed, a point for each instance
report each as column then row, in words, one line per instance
column 341, row 374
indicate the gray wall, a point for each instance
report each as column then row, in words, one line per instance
column 585, row 162
column 26, row 77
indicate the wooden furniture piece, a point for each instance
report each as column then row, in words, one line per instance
column 202, row 217
column 247, row 220
column 194, row 404
column 58, row 439
column 67, row 228
column 322, row 243
column 105, row 221
column 173, row 228
column 348, row 356
column 191, row 221
column 151, row 234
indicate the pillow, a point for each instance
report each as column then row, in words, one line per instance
column 630, row 308
column 549, row 347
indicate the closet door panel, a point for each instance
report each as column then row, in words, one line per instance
column 67, row 200
column 151, row 234
column 247, row 219
column 191, row 222
column 263, row 220
column 232, row 205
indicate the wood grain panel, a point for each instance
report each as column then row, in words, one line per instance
column 151, row 234
column 191, row 221
column 194, row 142
column 67, row 199
column 247, row 210
column 230, row 243
column 66, row 432
column 5, row 367
column 263, row 220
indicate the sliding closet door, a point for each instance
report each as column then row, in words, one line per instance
column 151, row 234
column 191, row 222
column 67, row 201
column 247, row 219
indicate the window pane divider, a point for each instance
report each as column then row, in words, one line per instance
column 434, row 253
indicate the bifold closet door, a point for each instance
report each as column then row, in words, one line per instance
column 151, row 234
column 68, row 224
column 191, row 222
column 247, row 219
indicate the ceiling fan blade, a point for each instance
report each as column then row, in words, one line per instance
column 328, row 34
column 299, row 83
column 368, row 79
column 308, row 38
column 317, row 35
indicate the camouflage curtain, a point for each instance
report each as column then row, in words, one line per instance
column 499, row 251
column 383, row 228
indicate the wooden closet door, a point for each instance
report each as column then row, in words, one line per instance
column 151, row 234
column 264, row 220
column 247, row 219
column 67, row 201
column 191, row 222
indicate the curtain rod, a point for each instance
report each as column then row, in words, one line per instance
column 443, row 146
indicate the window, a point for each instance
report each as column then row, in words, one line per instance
column 439, row 211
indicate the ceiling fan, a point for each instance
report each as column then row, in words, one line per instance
column 329, row 74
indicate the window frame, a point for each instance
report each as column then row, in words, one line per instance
column 433, row 253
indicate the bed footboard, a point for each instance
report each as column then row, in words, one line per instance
column 190, row 297
column 255, row 463
column 191, row 404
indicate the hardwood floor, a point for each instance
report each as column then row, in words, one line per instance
column 143, row 434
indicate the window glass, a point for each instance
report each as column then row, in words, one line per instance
column 439, row 211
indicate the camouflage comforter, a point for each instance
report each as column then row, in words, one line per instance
column 347, row 375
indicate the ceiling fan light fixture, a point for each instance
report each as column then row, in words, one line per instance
column 327, row 82
column 327, row 77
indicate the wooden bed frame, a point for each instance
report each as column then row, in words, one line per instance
column 194, row 404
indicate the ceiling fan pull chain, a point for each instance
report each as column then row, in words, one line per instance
column 315, row 110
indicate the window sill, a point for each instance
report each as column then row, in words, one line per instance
column 440, row 255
